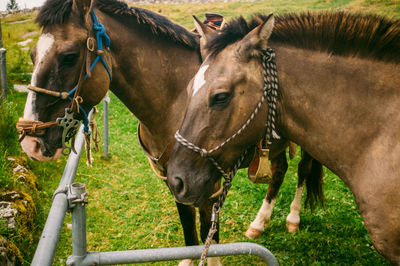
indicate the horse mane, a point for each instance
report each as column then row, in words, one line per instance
column 56, row 12
column 339, row 33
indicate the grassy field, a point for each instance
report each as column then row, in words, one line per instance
column 129, row 208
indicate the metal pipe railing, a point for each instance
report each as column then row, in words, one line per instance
column 106, row 100
column 73, row 197
column 46, row 248
column 3, row 73
column 178, row 253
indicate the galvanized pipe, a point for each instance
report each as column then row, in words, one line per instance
column 46, row 248
column 178, row 253
column 1, row 36
column 78, row 220
column 106, row 100
column 3, row 73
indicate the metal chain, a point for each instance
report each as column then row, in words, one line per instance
column 218, row 205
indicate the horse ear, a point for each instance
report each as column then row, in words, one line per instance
column 83, row 7
column 205, row 33
column 257, row 39
column 265, row 31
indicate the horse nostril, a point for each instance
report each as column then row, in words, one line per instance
column 177, row 184
column 37, row 146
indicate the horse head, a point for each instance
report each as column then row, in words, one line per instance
column 220, row 122
column 67, row 81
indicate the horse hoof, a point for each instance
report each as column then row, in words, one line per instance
column 253, row 233
column 292, row 227
column 187, row 262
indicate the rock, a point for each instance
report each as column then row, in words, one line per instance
column 21, row 172
column 21, row 88
column 17, row 212
column 10, row 255
column 7, row 215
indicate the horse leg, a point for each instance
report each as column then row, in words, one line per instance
column 279, row 167
column 303, row 168
column 309, row 172
column 187, row 215
column 293, row 219
column 205, row 224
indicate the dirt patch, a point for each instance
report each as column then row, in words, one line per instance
column 29, row 34
column 25, row 43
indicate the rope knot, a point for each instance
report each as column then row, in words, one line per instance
column 269, row 54
column 34, row 128
column 203, row 153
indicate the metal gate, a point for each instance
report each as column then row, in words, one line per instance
column 72, row 197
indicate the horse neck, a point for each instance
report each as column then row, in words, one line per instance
column 150, row 75
column 337, row 108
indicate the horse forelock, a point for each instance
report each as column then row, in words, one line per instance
column 338, row 33
column 59, row 11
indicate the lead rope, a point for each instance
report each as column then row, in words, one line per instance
column 94, row 136
column 271, row 90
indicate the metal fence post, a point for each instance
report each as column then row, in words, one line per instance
column 46, row 248
column 3, row 72
column 77, row 199
column 106, row 100
column 1, row 36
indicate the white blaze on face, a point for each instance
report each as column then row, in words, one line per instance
column 43, row 47
column 199, row 79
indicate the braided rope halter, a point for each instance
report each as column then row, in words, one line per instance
column 271, row 93
column 68, row 122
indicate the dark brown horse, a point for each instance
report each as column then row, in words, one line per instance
column 338, row 98
column 151, row 60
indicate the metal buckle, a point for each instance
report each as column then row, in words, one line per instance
column 90, row 44
column 70, row 126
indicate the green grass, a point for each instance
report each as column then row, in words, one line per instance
column 129, row 208
column 19, row 64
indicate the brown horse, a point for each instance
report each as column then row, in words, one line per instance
column 150, row 61
column 338, row 97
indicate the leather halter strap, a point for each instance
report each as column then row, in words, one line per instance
column 29, row 127
column 33, row 128
column 63, row 95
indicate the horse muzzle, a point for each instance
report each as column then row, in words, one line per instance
column 34, row 147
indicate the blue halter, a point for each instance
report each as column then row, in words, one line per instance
column 101, row 36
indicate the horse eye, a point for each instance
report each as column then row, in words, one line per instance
column 68, row 60
column 219, row 100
